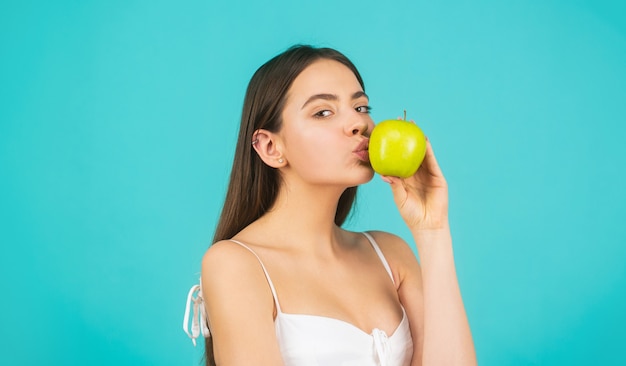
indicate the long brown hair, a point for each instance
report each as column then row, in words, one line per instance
column 253, row 185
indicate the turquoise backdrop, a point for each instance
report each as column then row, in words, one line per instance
column 117, row 126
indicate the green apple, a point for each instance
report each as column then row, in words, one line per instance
column 397, row 148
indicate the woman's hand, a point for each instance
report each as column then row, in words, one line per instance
column 423, row 197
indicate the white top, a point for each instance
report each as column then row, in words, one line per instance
column 312, row 340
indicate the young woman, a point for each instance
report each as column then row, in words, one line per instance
column 284, row 284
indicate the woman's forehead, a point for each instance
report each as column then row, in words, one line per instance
column 324, row 77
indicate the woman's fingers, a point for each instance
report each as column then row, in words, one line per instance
column 430, row 160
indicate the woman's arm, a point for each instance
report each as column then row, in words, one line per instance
column 432, row 293
column 447, row 336
column 239, row 306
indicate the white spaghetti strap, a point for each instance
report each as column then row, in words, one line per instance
column 380, row 254
column 267, row 276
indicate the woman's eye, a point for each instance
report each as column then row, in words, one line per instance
column 322, row 114
column 363, row 109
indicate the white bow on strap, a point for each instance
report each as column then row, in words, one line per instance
column 199, row 318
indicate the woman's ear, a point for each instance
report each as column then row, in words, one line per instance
column 268, row 146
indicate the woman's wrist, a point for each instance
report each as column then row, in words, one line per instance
column 431, row 227
column 431, row 240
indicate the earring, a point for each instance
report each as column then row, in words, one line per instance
column 280, row 161
column 255, row 141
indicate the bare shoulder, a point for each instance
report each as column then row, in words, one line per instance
column 233, row 277
column 398, row 254
column 392, row 245
column 228, row 264
column 240, row 306
column 226, row 255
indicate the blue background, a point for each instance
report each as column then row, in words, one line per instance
column 118, row 122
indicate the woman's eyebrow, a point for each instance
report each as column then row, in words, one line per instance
column 332, row 97
column 360, row 94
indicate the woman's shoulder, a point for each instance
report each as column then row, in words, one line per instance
column 390, row 243
column 233, row 282
column 228, row 255
column 397, row 252
column 228, row 264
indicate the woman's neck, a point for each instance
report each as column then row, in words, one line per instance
column 306, row 213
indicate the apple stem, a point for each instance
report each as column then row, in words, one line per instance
column 405, row 114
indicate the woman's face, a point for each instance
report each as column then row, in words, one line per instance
column 326, row 126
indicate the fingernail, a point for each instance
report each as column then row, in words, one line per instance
column 385, row 179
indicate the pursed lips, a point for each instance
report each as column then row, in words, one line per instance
column 362, row 150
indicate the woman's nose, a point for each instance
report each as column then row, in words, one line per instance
column 358, row 126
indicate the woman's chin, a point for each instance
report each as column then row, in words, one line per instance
column 367, row 176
